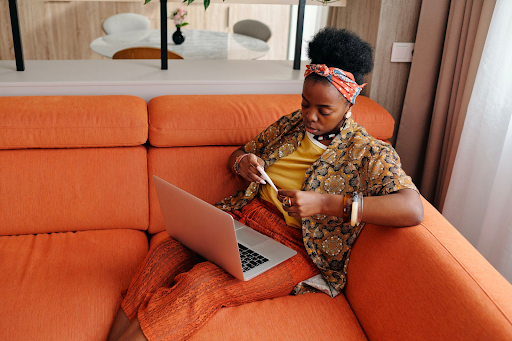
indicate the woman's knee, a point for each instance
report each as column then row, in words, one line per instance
column 204, row 272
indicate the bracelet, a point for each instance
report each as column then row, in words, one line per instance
column 357, row 208
column 236, row 166
column 353, row 208
column 347, row 207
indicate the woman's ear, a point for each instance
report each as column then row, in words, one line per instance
column 349, row 111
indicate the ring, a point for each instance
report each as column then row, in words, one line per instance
column 287, row 202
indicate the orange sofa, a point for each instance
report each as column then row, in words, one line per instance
column 78, row 213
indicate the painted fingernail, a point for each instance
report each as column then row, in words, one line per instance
column 262, row 182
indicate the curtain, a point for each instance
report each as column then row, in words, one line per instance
column 449, row 43
column 479, row 197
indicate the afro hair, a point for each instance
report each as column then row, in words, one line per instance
column 343, row 49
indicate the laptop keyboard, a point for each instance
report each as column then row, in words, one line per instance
column 250, row 259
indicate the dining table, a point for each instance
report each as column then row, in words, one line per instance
column 198, row 44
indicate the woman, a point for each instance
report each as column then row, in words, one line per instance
column 326, row 164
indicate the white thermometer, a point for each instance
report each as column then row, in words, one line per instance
column 267, row 178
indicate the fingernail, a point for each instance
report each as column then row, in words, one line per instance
column 261, row 170
column 262, row 182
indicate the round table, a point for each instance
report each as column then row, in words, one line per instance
column 199, row 44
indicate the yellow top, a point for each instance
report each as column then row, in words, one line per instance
column 288, row 173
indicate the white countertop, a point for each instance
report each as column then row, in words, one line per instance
column 145, row 79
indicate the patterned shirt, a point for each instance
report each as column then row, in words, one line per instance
column 354, row 161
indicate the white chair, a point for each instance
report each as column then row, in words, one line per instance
column 124, row 22
column 253, row 28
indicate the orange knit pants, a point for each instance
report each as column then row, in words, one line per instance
column 175, row 291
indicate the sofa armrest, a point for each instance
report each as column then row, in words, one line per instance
column 426, row 282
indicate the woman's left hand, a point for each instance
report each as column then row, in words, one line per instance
column 300, row 204
column 400, row 208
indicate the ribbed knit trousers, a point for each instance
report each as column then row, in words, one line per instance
column 174, row 291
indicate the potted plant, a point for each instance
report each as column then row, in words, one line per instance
column 207, row 2
column 178, row 16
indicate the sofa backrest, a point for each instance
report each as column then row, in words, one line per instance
column 426, row 282
column 71, row 163
column 192, row 137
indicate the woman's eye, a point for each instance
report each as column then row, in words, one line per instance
column 325, row 113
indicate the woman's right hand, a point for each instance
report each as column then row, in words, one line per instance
column 248, row 168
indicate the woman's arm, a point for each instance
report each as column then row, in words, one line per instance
column 398, row 209
column 247, row 166
column 401, row 208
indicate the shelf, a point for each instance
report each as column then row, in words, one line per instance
column 143, row 78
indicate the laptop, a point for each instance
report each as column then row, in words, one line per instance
column 216, row 236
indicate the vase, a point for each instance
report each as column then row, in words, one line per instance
column 177, row 37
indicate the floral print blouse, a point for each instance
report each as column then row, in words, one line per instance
column 354, row 161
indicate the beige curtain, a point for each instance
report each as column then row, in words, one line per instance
column 449, row 43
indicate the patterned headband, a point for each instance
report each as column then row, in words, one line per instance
column 342, row 80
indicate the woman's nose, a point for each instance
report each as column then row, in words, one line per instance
column 311, row 116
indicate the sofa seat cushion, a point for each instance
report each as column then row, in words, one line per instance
column 303, row 317
column 157, row 238
column 72, row 121
column 65, row 286
column 286, row 318
column 192, row 120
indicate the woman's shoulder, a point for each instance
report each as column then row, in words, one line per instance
column 293, row 118
column 361, row 138
column 286, row 123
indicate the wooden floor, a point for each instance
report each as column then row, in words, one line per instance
column 63, row 30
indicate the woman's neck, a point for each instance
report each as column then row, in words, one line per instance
column 327, row 138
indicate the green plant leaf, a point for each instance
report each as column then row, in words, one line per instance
column 184, row 24
column 207, row 2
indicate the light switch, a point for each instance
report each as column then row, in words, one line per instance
column 402, row 52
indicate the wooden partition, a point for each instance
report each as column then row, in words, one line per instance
column 382, row 22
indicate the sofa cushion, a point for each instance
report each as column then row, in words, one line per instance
column 72, row 121
column 426, row 282
column 285, row 318
column 192, row 120
column 57, row 190
column 157, row 238
column 377, row 121
column 201, row 171
column 309, row 316
column 65, row 286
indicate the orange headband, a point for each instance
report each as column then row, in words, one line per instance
column 342, row 80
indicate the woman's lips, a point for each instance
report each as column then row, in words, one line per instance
column 311, row 130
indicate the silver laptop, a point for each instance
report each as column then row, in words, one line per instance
column 215, row 235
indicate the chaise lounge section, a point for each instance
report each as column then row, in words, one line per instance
column 78, row 213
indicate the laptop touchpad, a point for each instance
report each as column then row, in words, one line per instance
column 248, row 236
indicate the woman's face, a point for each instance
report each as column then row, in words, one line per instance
column 323, row 107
